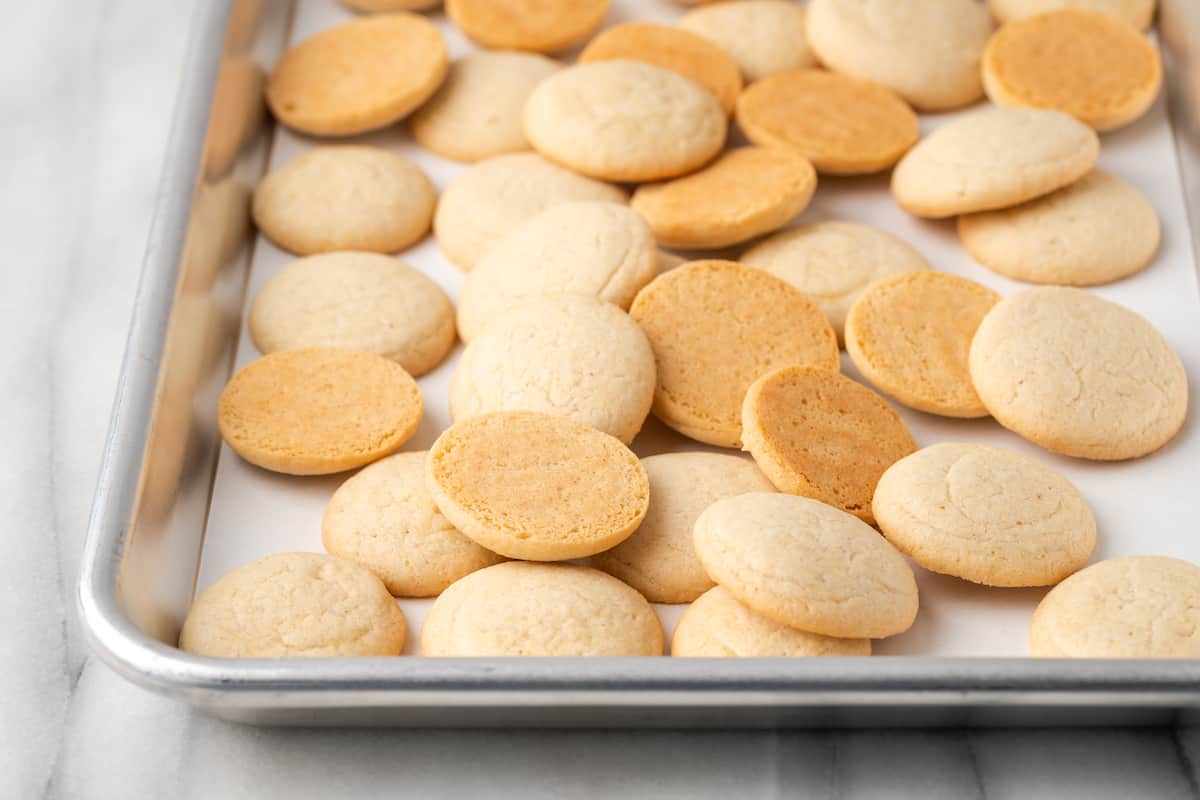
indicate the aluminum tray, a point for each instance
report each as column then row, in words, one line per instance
column 152, row 504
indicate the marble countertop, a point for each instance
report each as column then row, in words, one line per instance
column 86, row 91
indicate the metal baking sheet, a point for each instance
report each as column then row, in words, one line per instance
column 198, row 511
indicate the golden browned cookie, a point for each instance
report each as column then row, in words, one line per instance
column 317, row 411
column 536, row 486
column 844, row 125
column 540, row 26
column 715, row 327
column 295, row 605
column 746, row 192
column 358, row 76
column 1139, row 13
column 1092, row 65
column 692, row 56
column 909, row 335
column 816, row 433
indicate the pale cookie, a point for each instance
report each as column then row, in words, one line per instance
column 540, row 26
column 659, row 559
column 476, row 114
column 603, row 250
column 1132, row 607
column 986, row 515
column 1089, row 64
column 1098, row 229
column 715, row 327
column 1138, row 13
column 624, row 121
column 746, row 192
column 490, row 199
column 523, row 609
column 345, row 198
column 804, row 564
column 295, row 605
column 358, row 76
column 374, row 6
column 716, row 625
column 833, row 262
column 763, row 36
column 536, row 486
column 318, row 411
column 816, row 433
column 1078, row 375
column 994, row 158
column 909, row 336
column 928, row 51
column 356, row 301
column 569, row 355
column 384, row 519
column 844, row 125
column 678, row 50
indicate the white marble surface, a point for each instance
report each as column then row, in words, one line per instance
column 85, row 98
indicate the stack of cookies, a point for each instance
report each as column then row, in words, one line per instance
column 792, row 502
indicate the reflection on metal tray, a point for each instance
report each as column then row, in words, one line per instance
column 152, row 503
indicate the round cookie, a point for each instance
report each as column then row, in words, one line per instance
column 375, row 6
column 355, row 301
column 1138, row 13
column 986, row 515
column 1078, row 375
column 746, row 192
column 603, row 250
column 624, row 121
column 804, row 564
column 1132, row 607
column 1088, row 64
column 716, row 625
column 659, row 559
column 523, row 609
column 384, row 519
column 568, row 355
column 295, row 605
column 927, row 51
column 816, row 433
column 833, row 262
column 909, row 335
column 488, row 200
column 539, row 26
column 994, row 158
column 844, row 125
column 476, row 114
column 536, row 486
column 715, row 327
column 1098, row 229
column 763, row 36
column 358, row 76
column 318, row 411
column 678, row 50
column 345, row 198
